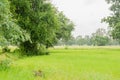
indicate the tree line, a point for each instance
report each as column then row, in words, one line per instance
column 100, row 38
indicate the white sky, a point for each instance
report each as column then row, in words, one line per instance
column 86, row 14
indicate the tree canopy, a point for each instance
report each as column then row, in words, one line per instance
column 32, row 23
column 10, row 32
column 114, row 19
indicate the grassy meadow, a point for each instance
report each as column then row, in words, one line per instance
column 98, row 63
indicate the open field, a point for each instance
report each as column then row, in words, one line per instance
column 98, row 63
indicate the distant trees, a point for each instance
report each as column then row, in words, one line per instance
column 114, row 19
column 99, row 38
column 80, row 40
column 32, row 24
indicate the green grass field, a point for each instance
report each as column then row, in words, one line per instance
column 68, row 64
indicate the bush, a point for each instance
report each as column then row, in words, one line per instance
column 5, row 49
column 17, row 53
column 42, row 50
column 66, row 47
column 4, row 64
column 31, row 49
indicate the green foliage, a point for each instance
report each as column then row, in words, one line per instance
column 5, row 64
column 30, row 49
column 17, row 53
column 10, row 32
column 114, row 19
column 80, row 40
column 66, row 26
column 5, row 49
column 99, row 38
column 36, row 17
column 4, row 19
column 3, row 41
column 29, row 23
column 40, row 20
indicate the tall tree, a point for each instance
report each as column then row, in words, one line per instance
column 114, row 19
column 40, row 20
column 100, row 38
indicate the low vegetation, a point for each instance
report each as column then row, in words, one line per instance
column 97, row 63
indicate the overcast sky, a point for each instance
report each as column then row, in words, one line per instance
column 86, row 14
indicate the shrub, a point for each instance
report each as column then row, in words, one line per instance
column 17, row 53
column 5, row 49
column 5, row 64
column 42, row 50
column 66, row 47
column 31, row 49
